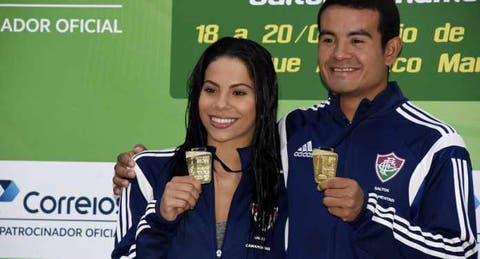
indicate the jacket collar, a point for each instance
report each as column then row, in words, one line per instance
column 388, row 98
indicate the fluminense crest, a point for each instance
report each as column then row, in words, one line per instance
column 387, row 166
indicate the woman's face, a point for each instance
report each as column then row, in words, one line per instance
column 227, row 103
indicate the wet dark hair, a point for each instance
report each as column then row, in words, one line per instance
column 389, row 16
column 264, row 143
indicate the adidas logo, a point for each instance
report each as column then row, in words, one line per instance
column 304, row 151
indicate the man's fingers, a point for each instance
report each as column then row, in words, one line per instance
column 338, row 193
column 117, row 191
column 322, row 186
column 332, row 202
column 139, row 148
column 344, row 203
column 335, row 208
column 337, row 183
column 347, row 203
column 120, row 182
column 129, row 173
column 126, row 159
column 342, row 213
column 327, row 184
column 124, row 169
column 123, row 172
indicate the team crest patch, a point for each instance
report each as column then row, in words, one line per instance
column 387, row 166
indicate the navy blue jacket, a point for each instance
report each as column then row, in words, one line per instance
column 414, row 170
column 143, row 233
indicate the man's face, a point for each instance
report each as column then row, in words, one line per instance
column 351, row 59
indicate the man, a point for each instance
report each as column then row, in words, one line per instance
column 404, row 186
column 404, row 179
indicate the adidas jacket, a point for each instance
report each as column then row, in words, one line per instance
column 414, row 170
column 143, row 233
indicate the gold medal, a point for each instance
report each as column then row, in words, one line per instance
column 199, row 164
column 324, row 164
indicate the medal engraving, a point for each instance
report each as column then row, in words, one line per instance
column 324, row 164
column 199, row 164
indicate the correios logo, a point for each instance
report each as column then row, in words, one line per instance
column 8, row 190
column 37, row 203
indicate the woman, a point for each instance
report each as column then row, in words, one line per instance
column 232, row 107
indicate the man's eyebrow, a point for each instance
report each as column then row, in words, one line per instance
column 326, row 32
column 360, row 32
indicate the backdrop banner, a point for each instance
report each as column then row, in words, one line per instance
column 83, row 80
column 56, row 209
column 440, row 44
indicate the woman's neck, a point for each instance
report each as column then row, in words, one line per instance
column 225, row 182
column 229, row 156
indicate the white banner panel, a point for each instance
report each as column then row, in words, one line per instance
column 56, row 209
